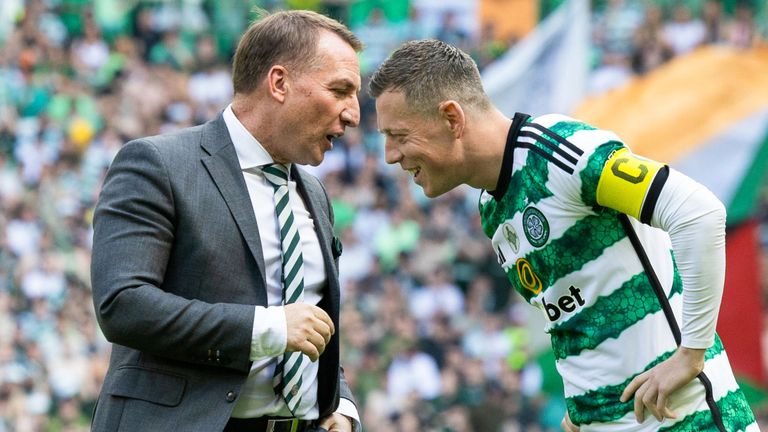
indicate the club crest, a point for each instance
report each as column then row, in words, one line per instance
column 535, row 227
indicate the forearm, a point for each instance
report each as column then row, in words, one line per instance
column 695, row 221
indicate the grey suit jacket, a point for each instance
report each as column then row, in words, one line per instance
column 176, row 271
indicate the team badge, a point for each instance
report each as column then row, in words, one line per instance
column 511, row 236
column 535, row 227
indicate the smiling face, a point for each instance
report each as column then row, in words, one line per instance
column 424, row 146
column 321, row 102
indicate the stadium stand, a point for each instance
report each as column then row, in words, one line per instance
column 424, row 300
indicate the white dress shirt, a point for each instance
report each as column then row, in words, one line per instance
column 269, row 338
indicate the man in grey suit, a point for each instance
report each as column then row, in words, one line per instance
column 214, row 264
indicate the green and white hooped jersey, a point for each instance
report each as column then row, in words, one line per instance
column 572, row 258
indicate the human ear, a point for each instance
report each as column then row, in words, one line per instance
column 452, row 113
column 277, row 82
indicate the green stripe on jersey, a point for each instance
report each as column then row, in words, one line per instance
column 609, row 316
column 570, row 252
column 567, row 128
column 734, row 409
column 603, row 405
column 590, row 175
column 532, row 179
column 677, row 281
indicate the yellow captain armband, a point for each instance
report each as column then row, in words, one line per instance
column 631, row 184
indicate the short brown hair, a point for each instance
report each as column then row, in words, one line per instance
column 428, row 72
column 287, row 37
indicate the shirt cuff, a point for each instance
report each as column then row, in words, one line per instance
column 270, row 332
column 348, row 409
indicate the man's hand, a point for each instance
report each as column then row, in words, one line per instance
column 653, row 387
column 309, row 329
column 567, row 425
column 336, row 422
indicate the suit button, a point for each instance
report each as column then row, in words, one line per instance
column 295, row 390
column 231, row 396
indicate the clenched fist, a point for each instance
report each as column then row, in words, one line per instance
column 309, row 329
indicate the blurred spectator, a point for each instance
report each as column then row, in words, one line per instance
column 742, row 32
column 380, row 37
column 651, row 50
column 146, row 32
column 684, row 32
column 90, row 52
column 712, row 15
column 450, row 32
column 172, row 51
column 489, row 47
column 439, row 296
column 413, row 371
column 44, row 281
column 615, row 25
column 433, row 338
column 399, row 234
column 613, row 72
column 413, row 27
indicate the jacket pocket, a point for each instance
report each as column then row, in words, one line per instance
column 151, row 385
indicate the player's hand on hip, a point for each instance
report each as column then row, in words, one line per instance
column 567, row 425
column 309, row 329
column 652, row 388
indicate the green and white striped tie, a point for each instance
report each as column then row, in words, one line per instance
column 287, row 379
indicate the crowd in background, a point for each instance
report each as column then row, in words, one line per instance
column 433, row 340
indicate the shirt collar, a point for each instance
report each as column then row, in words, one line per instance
column 505, row 176
column 250, row 152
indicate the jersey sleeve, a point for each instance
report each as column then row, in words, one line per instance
column 695, row 218
column 631, row 184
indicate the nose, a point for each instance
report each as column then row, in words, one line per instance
column 391, row 153
column 350, row 115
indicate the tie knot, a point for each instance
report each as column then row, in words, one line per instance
column 276, row 174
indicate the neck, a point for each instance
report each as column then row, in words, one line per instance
column 255, row 116
column 485, row 145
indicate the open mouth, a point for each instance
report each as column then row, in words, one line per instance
column 331, row 137
column 414, row 171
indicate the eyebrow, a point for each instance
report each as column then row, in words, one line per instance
column 346, row 83
column 388, row 131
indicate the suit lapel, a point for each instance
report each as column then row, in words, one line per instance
column 224, row 168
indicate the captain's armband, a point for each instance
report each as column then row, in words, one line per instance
column 631, row 184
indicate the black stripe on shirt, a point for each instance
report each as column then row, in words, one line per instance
column 717, row 416
column 557, row 138
column 555, row 148
column 538, row 150
column 505, row 175
column 653, row 195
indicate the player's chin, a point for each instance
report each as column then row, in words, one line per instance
column 432, row 192
column 435, row 185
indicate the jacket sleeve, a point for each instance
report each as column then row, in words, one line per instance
column 134, row 231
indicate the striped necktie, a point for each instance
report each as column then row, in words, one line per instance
column 287, row 379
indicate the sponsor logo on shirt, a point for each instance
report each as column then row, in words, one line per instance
column 511, row 236
column 528, row 278
column 564, row 304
